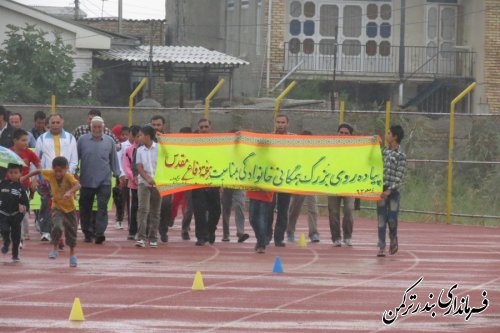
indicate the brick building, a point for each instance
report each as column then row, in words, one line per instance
column 144, row 30
column 446, row 45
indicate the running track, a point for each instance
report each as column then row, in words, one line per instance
column 323, row 289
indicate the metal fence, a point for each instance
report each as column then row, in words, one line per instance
column 357, row 59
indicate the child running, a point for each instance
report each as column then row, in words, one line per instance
column 13, row 203
column 64, row 187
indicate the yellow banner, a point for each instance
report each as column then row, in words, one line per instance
column 304, row 164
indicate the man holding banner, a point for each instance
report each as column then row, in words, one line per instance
column 281, row 200
column 206, row 203
column 307, row 165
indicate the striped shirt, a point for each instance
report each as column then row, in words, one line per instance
column 394, row 167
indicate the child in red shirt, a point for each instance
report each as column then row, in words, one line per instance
column 20, row 147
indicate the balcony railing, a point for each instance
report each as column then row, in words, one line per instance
column 357, row 60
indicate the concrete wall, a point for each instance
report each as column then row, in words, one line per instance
column 427, row 133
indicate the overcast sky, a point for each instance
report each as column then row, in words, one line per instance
column 144, row 9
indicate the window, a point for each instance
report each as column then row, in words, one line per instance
column 432, row 23
column 371, row 30
column 309, row 9
column 294, row 45
column 327, row 46
column 386, row 12
column 351, row 47
column 448, row 23
column 245, row 4
column 309, row 28
column 230, row 5
column 308, row 46
column 371, row 48
column 385, row 48
column 352, row 21
column 372, row 11
column 385, row 30
column 328, row 20
column 295, row 9
column 295, row 27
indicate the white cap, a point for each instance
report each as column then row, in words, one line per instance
column 97, row 119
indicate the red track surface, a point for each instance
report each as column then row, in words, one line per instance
column 323, row 288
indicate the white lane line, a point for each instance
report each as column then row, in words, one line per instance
column 265, row 311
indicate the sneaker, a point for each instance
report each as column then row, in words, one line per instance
column 72, row 261
column 16, row 259
column 185, row 235
column 153, row 244
column 130, row 237
column 261, row 250
column 348, row 242
column 315, row 238
column 88, row 239
column 45, row 237
column 279, row 244
column 21, row 245
column 243, row 238
column 225, row 239
column 381, row 253
column 5, row 248
column 337, row 243
column 53, row 254
column 140, row 243
column 61, row 246
column 290, row 237
column 118, row 225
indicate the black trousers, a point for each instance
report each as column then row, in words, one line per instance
column 11, row 232
column 132, row 212
column 206, row 209
column 166, row 219
column 281, row 201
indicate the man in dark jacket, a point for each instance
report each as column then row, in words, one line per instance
column 6, row 132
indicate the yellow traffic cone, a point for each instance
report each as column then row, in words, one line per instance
column 76, row 311
column 302, row 241
column 198, row 282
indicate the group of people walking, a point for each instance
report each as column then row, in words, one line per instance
column 92, row 156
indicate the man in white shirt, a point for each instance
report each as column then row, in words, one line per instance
column 51, row 144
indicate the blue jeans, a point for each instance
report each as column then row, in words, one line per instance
column 387, row 214
column 258, row 214
column 87, row 195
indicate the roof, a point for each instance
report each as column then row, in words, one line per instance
column 86, row 37
column 172, row 54
column 66, row 12
column 115, row 19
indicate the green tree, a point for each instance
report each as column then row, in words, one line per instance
column 34, row 67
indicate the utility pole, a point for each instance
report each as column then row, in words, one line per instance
column 402, row 51
column 120, row 16
column 150, row 65
column 332, row 96
column 77, row 10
